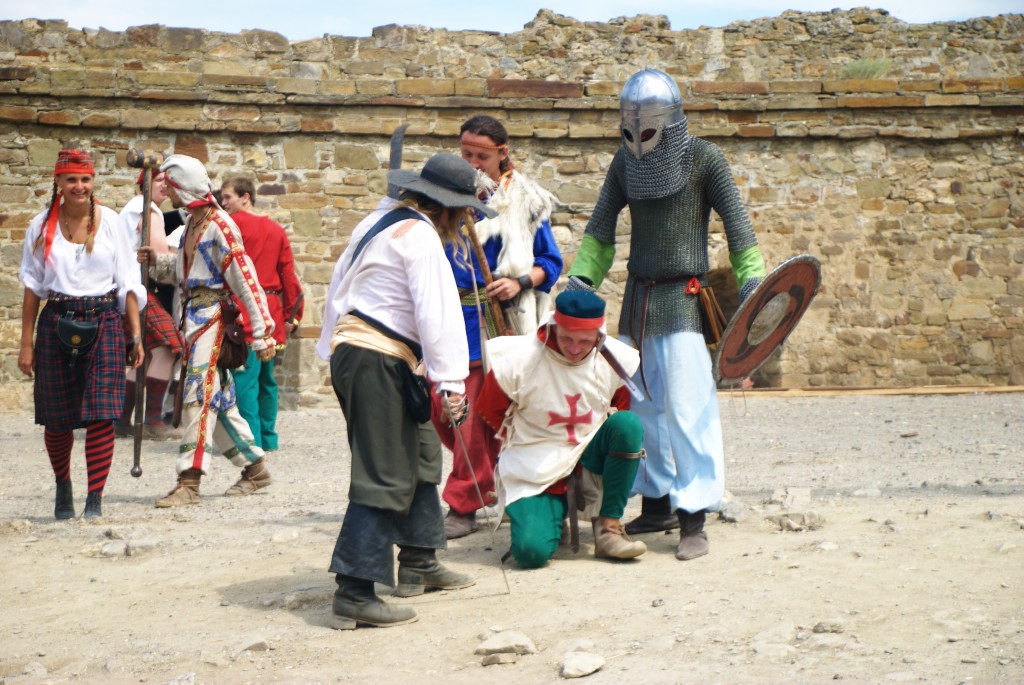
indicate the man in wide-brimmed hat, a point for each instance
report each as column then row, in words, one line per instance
column 393, row 302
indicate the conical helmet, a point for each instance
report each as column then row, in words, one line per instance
column 650, row 101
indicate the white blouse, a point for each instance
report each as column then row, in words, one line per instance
column 71, row 270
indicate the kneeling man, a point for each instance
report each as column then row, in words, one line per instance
column 561, row 410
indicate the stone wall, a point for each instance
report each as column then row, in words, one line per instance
column 907, row 186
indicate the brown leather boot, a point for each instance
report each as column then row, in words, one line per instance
column 612, row 542
column 693, row 541
column 356, row 603
column 458, row 526
column 254, row 477
column 185, row 492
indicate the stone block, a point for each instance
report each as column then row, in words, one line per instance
column 861, row 86
column 316, row 125
column 300, row 154
column 265, row 41
column 471, row 87
column 881, row 101
column 168, row 79
column 193, row 146
column 609, row 89
column 756, row 131
column 303, row 86
column 301, row 201
column 919, row 86
column 16, row 73
column 306, row 223
column 425, row 86
column 532, row 88
column 730, row 87
column 337, row 87
column 777, row 87
column 17, row 113
column 62, row 117
column 972, row 85
column 944, row 100
column 962, row 310
column 356, row 157
column 140, row 118
column 234, row 82
column 102, row 120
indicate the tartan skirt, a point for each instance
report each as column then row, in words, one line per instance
column 93, row 390
column 160, row 328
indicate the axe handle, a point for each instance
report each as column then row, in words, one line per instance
column 485, row 271
column 140, row 374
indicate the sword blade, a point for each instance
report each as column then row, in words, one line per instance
column 395, row 160
column 633, row 388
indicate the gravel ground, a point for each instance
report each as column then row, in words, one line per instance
column 869, row 539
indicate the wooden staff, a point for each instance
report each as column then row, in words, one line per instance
column 147, row 161
column 492, row 302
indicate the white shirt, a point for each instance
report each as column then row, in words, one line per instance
column 72, row 270
column 131, row 219
column 403, row 280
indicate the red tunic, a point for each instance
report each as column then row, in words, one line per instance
column 267, row 245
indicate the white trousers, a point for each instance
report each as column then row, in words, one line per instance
column 209, row 415
column 682, row 428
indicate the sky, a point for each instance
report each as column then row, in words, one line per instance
column 303, row 19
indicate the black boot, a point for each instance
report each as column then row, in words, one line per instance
column 93, row 505
column 693, row 541
column 655, row 515
column 355, row 602
column 419, row 571
column 64, row 507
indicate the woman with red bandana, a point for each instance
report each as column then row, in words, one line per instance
column 78, row 258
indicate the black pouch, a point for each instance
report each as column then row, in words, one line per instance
column 416, row 394
column 233, row 348
column 76, row 336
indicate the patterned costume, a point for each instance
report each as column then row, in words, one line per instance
column 256, row 388
column 218, row 267
column 517, row 239
column 671, row 183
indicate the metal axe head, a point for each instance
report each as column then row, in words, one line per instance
column 148, row 159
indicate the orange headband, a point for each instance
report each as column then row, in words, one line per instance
column 485, row 147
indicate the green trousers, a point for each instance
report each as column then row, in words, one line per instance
column 537, row 521
column 256, row 397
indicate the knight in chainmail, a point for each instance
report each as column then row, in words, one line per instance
column 670, row 181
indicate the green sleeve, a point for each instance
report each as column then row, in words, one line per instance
column 593, row 259
column 747, row 264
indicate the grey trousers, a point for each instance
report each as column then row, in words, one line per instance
column 365, row 546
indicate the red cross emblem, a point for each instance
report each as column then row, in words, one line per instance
column 572, row 419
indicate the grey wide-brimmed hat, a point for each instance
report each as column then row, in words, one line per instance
column 446, row 179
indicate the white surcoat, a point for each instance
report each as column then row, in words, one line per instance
column 557, row 406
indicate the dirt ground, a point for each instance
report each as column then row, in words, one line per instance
column 899, row 559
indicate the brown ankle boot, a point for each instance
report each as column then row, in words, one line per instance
column 185, row 492
column 612, row 542
column 693, row 541
column 255, row 476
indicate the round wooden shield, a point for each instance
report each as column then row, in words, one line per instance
column 767, row 317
